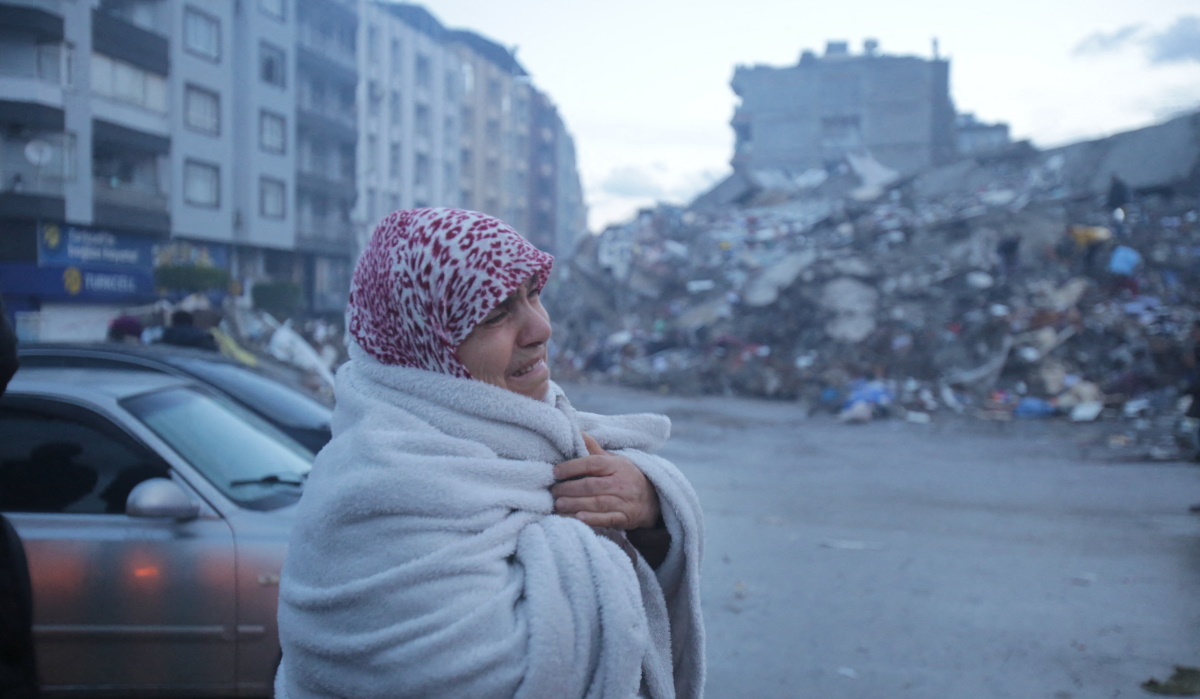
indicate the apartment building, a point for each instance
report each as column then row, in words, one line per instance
column 556, row 211
column 490, row 126
column 453, row 119
column 897, row 108
column 264, row 138
column 412, row 90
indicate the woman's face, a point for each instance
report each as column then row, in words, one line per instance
column 508, row 347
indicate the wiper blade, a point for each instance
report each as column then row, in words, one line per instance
column 272, row 479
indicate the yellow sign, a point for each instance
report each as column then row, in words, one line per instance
column 52, row 235
column 72, row 280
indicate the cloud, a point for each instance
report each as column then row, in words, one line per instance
column 629, row 181
column 1176, row 44
column 1107, row 43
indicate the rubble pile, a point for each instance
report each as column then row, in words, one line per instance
column 1001, row 286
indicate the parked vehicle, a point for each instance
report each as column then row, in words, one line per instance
column 297, row 413
column 155, row 514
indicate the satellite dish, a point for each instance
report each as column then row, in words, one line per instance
column 38, row 152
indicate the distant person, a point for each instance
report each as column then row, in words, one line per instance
column 126, row 329
column 184, row 333
column 1123, row 265
column 8, row 350
column 18, row 665
column 1117, row 201
column 1008, row 250
column 1118, row 194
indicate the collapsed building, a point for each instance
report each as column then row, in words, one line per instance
column 798, row 117
column 1000, row 284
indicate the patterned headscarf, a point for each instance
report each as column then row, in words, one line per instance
column 428, row 277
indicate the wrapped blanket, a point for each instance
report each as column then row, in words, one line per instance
column 426, row 561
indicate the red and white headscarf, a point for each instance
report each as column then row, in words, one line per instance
column 428, row 277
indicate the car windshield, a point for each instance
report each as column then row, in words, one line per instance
column 246, row 458
column 285, row 405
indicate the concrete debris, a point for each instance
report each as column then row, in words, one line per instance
column 998, row 286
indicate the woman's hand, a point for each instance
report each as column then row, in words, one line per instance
column 605, row 490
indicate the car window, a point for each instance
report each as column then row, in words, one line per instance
column 242, row 455
column 283, row 404
column 59, row 458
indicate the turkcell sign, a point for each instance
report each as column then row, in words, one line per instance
column 62, row 246
column 77, row 283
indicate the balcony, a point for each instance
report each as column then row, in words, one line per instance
column 43, row 18
column 327, row 47
column 32, row 206
column 327, row 119
column 325, row 183
column 324, row 234
column 125, row 41
column 126, row 205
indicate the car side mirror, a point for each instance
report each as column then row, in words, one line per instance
column 160, row 497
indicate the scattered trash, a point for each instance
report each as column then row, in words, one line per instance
column 1184, row 682
column 996, row 287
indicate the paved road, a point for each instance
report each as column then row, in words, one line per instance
column 953, row 560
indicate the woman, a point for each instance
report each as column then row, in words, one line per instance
column 467, row 533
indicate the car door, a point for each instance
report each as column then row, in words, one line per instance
column 120, row 602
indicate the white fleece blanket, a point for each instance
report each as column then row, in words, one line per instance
column 426, row 561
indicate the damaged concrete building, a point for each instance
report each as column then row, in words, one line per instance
column 968, row 287
column 797, row 118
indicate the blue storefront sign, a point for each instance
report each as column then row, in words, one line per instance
column 65, row 245
column 77, row 283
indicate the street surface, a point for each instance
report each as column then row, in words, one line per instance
column 960, row 559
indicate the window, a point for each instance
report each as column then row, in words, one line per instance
column 345, row 164
column 202, row 109
column 424, row 71
column 201, row 184
column 273, row 8
column 272, row 132
column 423, row 173
column 56, row 458
column 225, row 442
column 271, row 65
column 127, row 83
column 370, row 155
column 394, row 160
column 372, row 198
column 272, row 198
column 424, row 121
column 201, row 34
column 397, row 56
column 394, row 107
column 50, row 59
column 374, row 99
column 373, row 44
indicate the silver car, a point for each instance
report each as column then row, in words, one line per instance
column 155, row 514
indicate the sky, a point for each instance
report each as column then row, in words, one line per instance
column 643, row 85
